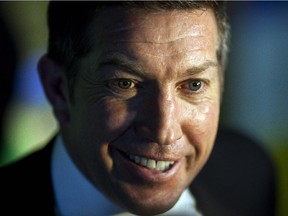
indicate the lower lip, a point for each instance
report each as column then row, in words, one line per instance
column 130, row 171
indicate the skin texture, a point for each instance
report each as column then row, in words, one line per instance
column 149, row 87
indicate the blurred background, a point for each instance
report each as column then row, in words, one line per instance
column 255, row 97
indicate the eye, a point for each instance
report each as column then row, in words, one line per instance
column 195, row 85
column 121, row 84
column 125, row 84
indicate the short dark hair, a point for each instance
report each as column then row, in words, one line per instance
column 67, row 22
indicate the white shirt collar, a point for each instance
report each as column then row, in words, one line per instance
column 75, row 195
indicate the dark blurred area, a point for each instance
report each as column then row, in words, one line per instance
column 255, row 98
column 26, row 118
column 256, row 93
column 8, row 63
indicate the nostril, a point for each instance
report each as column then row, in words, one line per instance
column 144, row 132
column 160, row 135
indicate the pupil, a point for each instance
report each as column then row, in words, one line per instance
column 195, row 85
column 125, row 84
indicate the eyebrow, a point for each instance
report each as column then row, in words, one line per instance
column 122, row 61
column 202, row 67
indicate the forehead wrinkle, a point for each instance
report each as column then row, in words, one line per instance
column 172, row 48
column 121, row 60
column 166, row 26
column 157, row 38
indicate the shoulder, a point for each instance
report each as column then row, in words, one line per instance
column 28, row 177
column 239, row 176
column 241, row 150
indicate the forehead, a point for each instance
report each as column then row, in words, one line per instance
column 162, row 41
column 160, row 27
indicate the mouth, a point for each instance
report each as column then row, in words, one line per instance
column 152, row 164
column 159, row 165
column 143, row 169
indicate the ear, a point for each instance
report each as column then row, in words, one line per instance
column 54, row 83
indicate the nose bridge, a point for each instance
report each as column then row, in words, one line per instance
column 167, row 113
column 161, row 122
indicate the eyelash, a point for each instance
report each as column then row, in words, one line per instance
column 186, row 86
column 115, row 84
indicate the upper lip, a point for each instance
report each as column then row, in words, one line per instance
column 150, row 156
column 150, row 150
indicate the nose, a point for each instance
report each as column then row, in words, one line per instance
column 159, row 120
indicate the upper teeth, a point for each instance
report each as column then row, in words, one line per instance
column 151, row 164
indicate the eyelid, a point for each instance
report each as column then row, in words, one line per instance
column 118, row 73
column 113, row 84
column 117, row 81
column 186, row 83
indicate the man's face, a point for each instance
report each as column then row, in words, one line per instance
column 146, row 105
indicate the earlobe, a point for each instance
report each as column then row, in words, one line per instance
column 55, row 86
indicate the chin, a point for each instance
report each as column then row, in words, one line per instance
column 151, row 208
column 150, row 202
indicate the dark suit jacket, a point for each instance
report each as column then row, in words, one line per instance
column 238, row 180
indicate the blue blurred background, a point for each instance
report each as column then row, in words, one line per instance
column 255, row 97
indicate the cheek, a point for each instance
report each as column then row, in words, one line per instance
column 97, row 126
column 203, row 127
column 110, row 120
column 208, row 115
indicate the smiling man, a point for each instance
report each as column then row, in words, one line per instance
column 136, row 90
column 145, row 106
